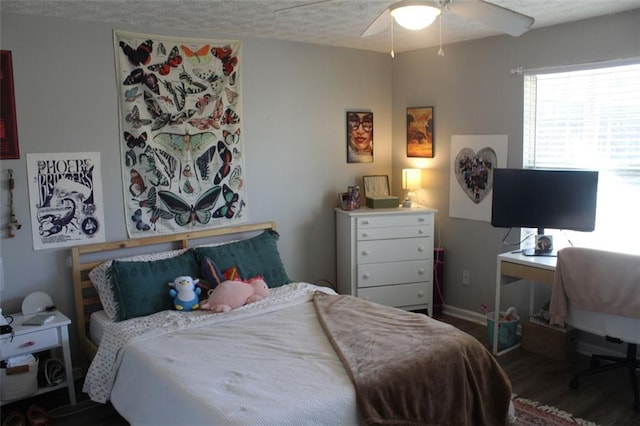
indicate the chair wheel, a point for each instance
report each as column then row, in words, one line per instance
column 574, row 383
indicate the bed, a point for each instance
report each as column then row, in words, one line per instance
column 303, row 355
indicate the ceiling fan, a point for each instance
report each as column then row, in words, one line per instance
column 416, row 15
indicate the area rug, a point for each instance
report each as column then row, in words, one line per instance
column 531, row 413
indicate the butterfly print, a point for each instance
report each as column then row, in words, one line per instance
column 225, row 168
column 232, row 96
column 231, row 138
column 173, row 61
column 184, row 213
column 133, row 141
column 169, row 163
column 202, row 103
column 239, row 212
column 156, row 214
column 140, row 55
column 162, row 118
column 130, row 158
column 138, row 76
column 166, row 99
column 203, row 161
column 188, row 85
column 197, row 56
column 131, row 94
column 178, row 93
column 137, row 186
column 230, row 198
column 185, row 147
column 150, row 201
column 235, row 178
column 228, row 61
column 162, row 51
column 230, row 117
column 134, row 118
column 236, row 153
column 209, row 75
column 232, row 78
column 137, row 218
column 148, row 165
column 204, row 123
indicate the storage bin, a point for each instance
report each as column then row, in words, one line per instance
column 551, row 341
column 19, row 382
column 506, row 331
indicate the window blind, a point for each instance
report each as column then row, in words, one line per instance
column 588, row 117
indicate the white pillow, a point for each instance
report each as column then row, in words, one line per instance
column 102, row 284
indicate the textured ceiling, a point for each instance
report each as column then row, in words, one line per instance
column 334, row 23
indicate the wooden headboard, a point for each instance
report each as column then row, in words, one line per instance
column 85, row 258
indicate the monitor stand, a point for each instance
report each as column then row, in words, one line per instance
column 546, row 253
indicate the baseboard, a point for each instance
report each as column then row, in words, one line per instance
column 584, row 348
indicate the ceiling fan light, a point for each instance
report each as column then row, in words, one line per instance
column 415, row 17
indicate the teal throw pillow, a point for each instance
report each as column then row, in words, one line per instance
column 141, row 288
column 252, row 257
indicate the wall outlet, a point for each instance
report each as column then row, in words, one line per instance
column 466, row 277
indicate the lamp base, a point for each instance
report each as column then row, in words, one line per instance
column 407, row 203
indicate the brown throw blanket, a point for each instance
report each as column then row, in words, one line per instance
column 409, row 369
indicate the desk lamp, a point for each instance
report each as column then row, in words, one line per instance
column 411, row 180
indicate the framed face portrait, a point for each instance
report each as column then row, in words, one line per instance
column 359, row 137
column 420, row 142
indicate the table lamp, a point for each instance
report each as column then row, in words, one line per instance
column 411, row 180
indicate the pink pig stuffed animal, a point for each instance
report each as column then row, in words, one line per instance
column 229, row 295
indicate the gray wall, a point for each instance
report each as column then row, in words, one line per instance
column 294, row 103
column 295, row 98
column 474, row 92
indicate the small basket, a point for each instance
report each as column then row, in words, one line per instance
column 507, row 331
column 19, row 382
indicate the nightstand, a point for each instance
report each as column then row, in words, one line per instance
column 31, row 339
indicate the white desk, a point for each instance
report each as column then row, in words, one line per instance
column 512, row 267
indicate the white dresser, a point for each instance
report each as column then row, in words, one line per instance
column 386, row 255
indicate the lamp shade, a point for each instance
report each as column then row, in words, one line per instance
column 414, row 16
column 411, row 179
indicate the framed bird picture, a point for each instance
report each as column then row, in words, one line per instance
column 420, row 140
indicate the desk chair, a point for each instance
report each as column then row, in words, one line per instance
column 599, row 292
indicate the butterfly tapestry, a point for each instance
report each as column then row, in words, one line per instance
column 181, row 139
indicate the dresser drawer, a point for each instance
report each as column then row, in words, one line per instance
column 393, row 250
column 29, row 342
column 393, row 232
column 377, row 274
column 394, row 220
column 398, row 295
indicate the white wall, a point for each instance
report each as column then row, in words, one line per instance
column 474, row 92
column 294, row 101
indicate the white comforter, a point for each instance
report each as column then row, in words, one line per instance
column 265, row 363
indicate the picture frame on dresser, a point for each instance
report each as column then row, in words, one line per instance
column 376, row 186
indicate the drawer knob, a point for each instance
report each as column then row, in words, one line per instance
column 421, row 271
column 365, row 276
column 365, row 252
column 421, row 248
column 27, row 344
column 420, row 231
column 420, row 293
column 365, row 234
column 365, row 222
column 421, row 219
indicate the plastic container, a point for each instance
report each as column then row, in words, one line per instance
column 19, row 382
column 506, row 331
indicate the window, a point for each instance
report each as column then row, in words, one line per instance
column 588, row 117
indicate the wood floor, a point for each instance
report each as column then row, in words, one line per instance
column 603, row 398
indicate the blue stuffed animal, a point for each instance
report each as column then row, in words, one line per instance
column 185, row 293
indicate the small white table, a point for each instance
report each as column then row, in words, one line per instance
column 29, row 339
column 515, row 266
